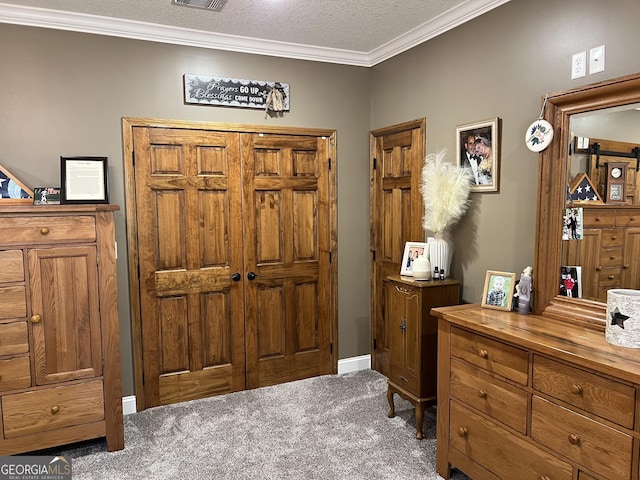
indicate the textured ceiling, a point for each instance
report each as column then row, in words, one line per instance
column 355, row 26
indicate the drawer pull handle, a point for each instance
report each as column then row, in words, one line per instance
column 55, row 409
column 403, row 325
column 482, row 394
column 483, row 353
column 598, row 268
column 613, row 237
column 462, row 431
column 576, row 389
column 612, row 257
column 36, row 318
column 626, row 265
column 574, row 439
column 611, row 277
column 404, row 379
column 597, row 219
column 44, row 230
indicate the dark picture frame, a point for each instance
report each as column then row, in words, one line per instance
column 84, row 180
column 483, row 157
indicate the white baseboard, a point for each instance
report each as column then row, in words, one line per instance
column 129, row 405
column 354, row 364
column 345, row 365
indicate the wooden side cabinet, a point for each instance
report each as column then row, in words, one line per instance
column 413, row 338
column 60, row 379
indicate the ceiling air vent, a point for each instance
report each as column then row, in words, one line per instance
column 215, row 5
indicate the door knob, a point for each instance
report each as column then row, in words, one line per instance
column 236, row 277
column 252, row 275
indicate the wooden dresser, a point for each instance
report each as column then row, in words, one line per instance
column 529, row 398
column 609, row 250
column 59, row 328
column 413, row 338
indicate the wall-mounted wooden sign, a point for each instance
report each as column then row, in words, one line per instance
column 232, row 92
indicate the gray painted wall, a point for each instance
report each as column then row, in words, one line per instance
column 64, row 93
column 500, row 65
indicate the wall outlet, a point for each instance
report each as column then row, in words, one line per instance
column 596, row 60
column 578, row 65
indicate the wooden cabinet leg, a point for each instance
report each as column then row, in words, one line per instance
column 392, row 409
column 419, row 418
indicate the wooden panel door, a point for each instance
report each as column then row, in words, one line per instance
column 65, row 314
column 189, row 223
column 286, row 257
column 397, row 157
column 231, row 236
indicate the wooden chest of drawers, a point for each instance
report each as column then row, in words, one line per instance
column 531, row 398
column 59, row 342
column 608, row 250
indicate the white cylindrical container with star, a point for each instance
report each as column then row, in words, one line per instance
column 623, row 317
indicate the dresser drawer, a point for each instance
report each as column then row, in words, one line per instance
column 498, row 399
column 611, row 257
column 53, row 408
column 627, row 218
column 15, row 373
column 43, row 230
column 609, row 277
column 601, row 396
column 13, row 338
column 13, row 302
column 598, row 218
column 501, row 452
column 400, row 377
column 496, row 357
column 12, row 266
column 612, row 237
column 598, row 447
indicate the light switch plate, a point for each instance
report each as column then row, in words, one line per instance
column 578, row 65
column 596, row 60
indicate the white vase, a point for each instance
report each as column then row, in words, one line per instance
column 421, row 268
column 440, row 254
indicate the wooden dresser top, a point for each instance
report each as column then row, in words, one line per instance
column 564, row 341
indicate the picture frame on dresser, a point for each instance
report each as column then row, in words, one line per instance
column 498, row 290
column 412, row 250
column 84, row 180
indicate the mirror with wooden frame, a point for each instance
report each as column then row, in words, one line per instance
column 553, row 174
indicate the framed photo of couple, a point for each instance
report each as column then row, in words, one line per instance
column 477, row 145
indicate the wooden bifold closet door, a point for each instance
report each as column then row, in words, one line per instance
column 232, row 258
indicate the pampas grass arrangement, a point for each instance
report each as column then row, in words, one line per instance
column 445, row 191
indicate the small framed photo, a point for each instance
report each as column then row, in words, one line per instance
column 412, row 250
column 46, row 196
column 571, row 281
column 84, row 180
column 478, row 146
column 498, row 290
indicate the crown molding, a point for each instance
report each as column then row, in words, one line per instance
column 79, row 22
